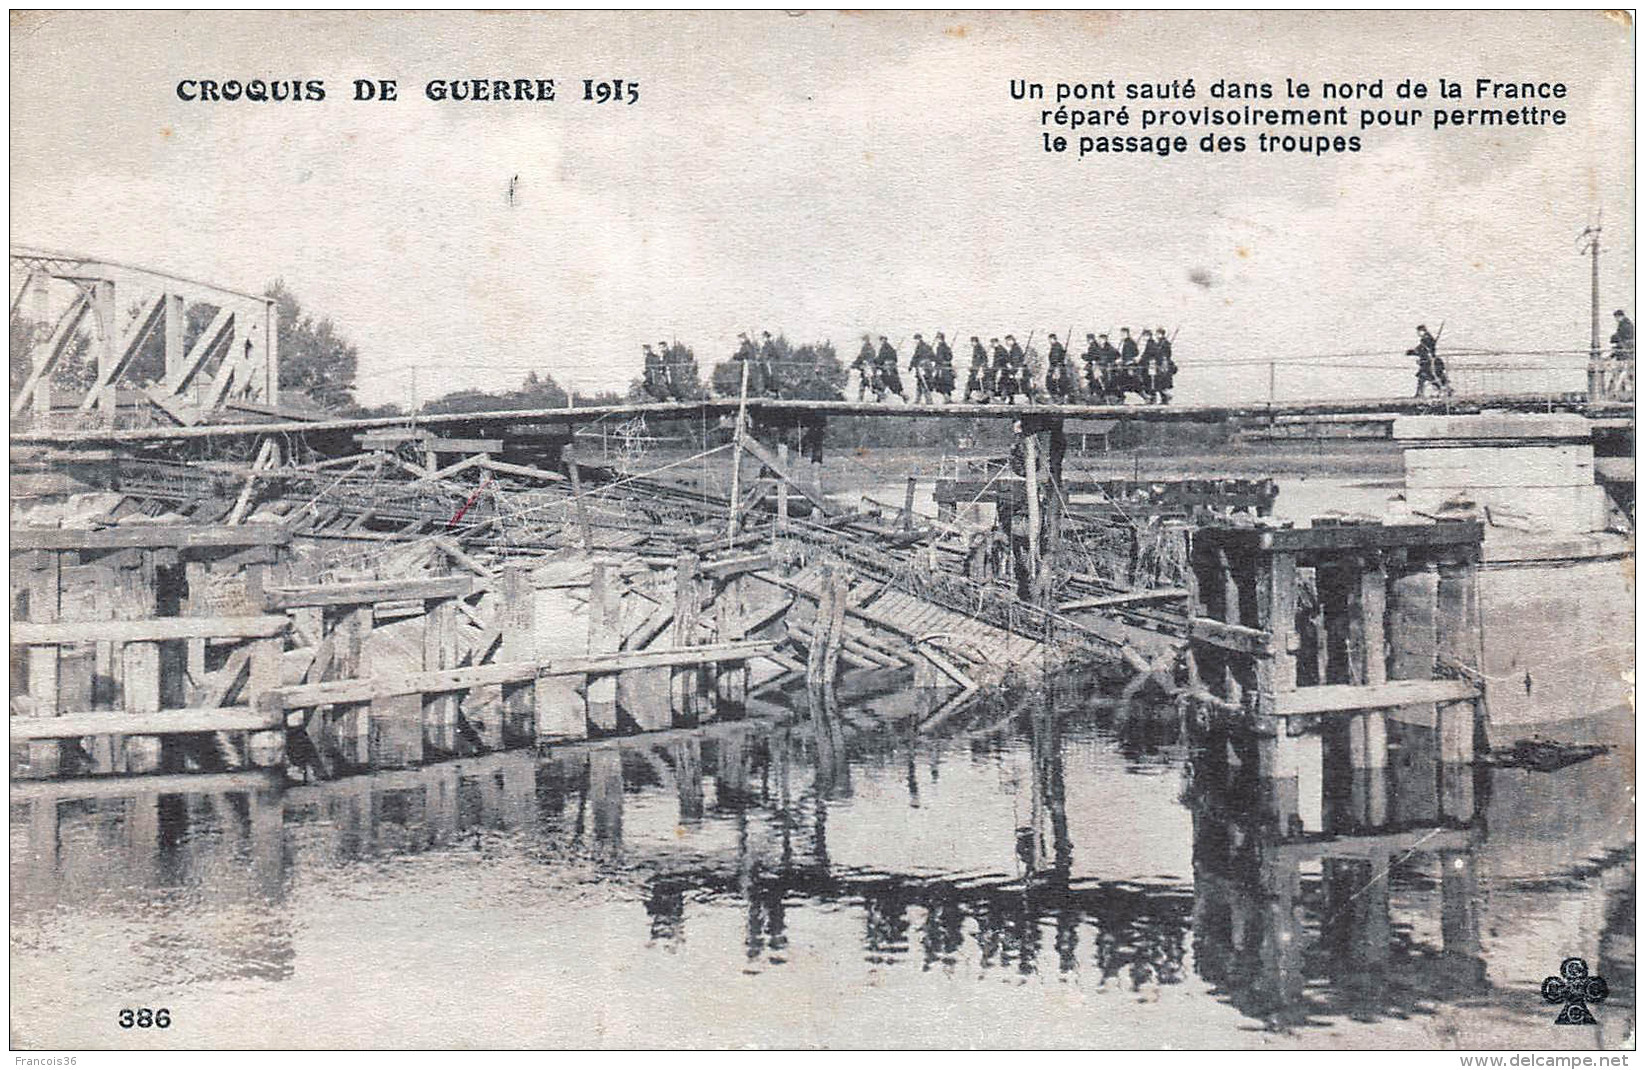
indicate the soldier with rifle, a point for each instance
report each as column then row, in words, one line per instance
column 1165, row 368
column 867, row 369
column 999, row 368
column 1126, row 372
column 943, row 383
column 890, row 380
column 767, row 366
column 975, row 390
column 1058, row 386
column 923, row 367
column 1430, row 366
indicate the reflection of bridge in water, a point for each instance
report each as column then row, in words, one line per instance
column 1377, row 916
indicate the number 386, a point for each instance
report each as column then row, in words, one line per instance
column 143, row 1018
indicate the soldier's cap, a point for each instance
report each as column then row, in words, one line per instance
column 765, row 334
column 939, row 334
column 1422, row 327
column 1145, row 330
column 882, row 337
column 1159, row 330
column 916, row 337
column 1104, row 337
column 741, row 334
column 1125, row 330
column 974, row 338
column 645, row 345
column 1619, row 312
column 993, row 339
column 1010, row 338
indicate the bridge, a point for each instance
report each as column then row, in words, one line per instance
column 778, row 411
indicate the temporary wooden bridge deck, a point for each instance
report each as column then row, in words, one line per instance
column 792, row 409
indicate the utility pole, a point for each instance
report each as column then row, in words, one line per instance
column 1588, row 242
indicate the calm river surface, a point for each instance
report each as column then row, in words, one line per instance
column 1019, row 872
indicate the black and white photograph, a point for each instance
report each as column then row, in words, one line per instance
column 1012, row 530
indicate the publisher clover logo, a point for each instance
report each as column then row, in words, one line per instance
column 1574, row 988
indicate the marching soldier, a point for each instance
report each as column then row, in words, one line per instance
column 890, row 379
column 975, row 378
column 1165, row 373
column 923, row 367
column 999, row 369
column 1126, row 372
column 768, row 365
column 866, row 368
column 1150, row 364
column 1430, row 366
column 944, row 381
column 1057, row 383
column 1089, row 358
column 1622, row 342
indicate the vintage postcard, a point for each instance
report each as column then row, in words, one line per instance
column 818, row 529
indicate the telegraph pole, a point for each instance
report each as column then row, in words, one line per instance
column 1588, row 242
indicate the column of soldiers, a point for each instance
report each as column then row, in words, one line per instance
column 1000, row 372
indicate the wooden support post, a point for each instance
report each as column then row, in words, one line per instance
column 1414, row 638
column 176, row 322
column 1276, row 614
column 265, row 749
column 197, row 575
column 352, row 631
column 782, row 489
column 44, row 593
column 605, row 636
column 108, row 332
column 1458, row 641
column 572, row 469
column 440, row 652
column 737, row 438
column 731, row 678
column 1368, row 731
column 1031, row 471
column 686, row 685
column 1459, row 915
column 908, row 504
column 516, row 618
column 137, row 599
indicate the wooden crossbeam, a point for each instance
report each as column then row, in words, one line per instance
column 149, row 537
column 145, row 631
column 163, row 722
column 367, row 591
column 1339, row 698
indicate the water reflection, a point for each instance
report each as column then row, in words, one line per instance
column 1001, row 838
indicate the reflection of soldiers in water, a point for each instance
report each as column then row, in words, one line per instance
column 665, row 903
column 943, row 934
column 767, row 927
column 886, row 927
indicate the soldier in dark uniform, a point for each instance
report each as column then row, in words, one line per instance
column 923, row 366
column 1150, row 366
column 767, row 366
column 890, row 379
column 1006, row 383
column 1430, row 368
column 867, row 369
column 1126, row 375
column 974, row 379
column 746, row 354
column 656, row 376
column 1165, row 374
column 1107, row 362
column 999, row 368
column 1622, row 342
column 1058, row 385
column 944, row 383
column 1020, row 373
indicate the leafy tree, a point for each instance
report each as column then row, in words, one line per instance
column 76, row 370
column 812, row 370
column 314, row 357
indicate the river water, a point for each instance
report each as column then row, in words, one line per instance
column 889, row 870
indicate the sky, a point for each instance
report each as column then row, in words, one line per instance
column 827, row 174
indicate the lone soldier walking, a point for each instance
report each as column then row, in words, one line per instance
column 890, row 379
column 923, row 368
column 1430, row 367
column 943, row 381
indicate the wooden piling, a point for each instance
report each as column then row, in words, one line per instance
column 782, row 489
column 604, row 636
column 440, row 652
column 1368, row 731
column 1457, row 639
column 731, row 679
column 1414, row 637
column 351, row 632
column 1031, row 474
column 44, row 589
column 686, row 686
column 573, row 470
